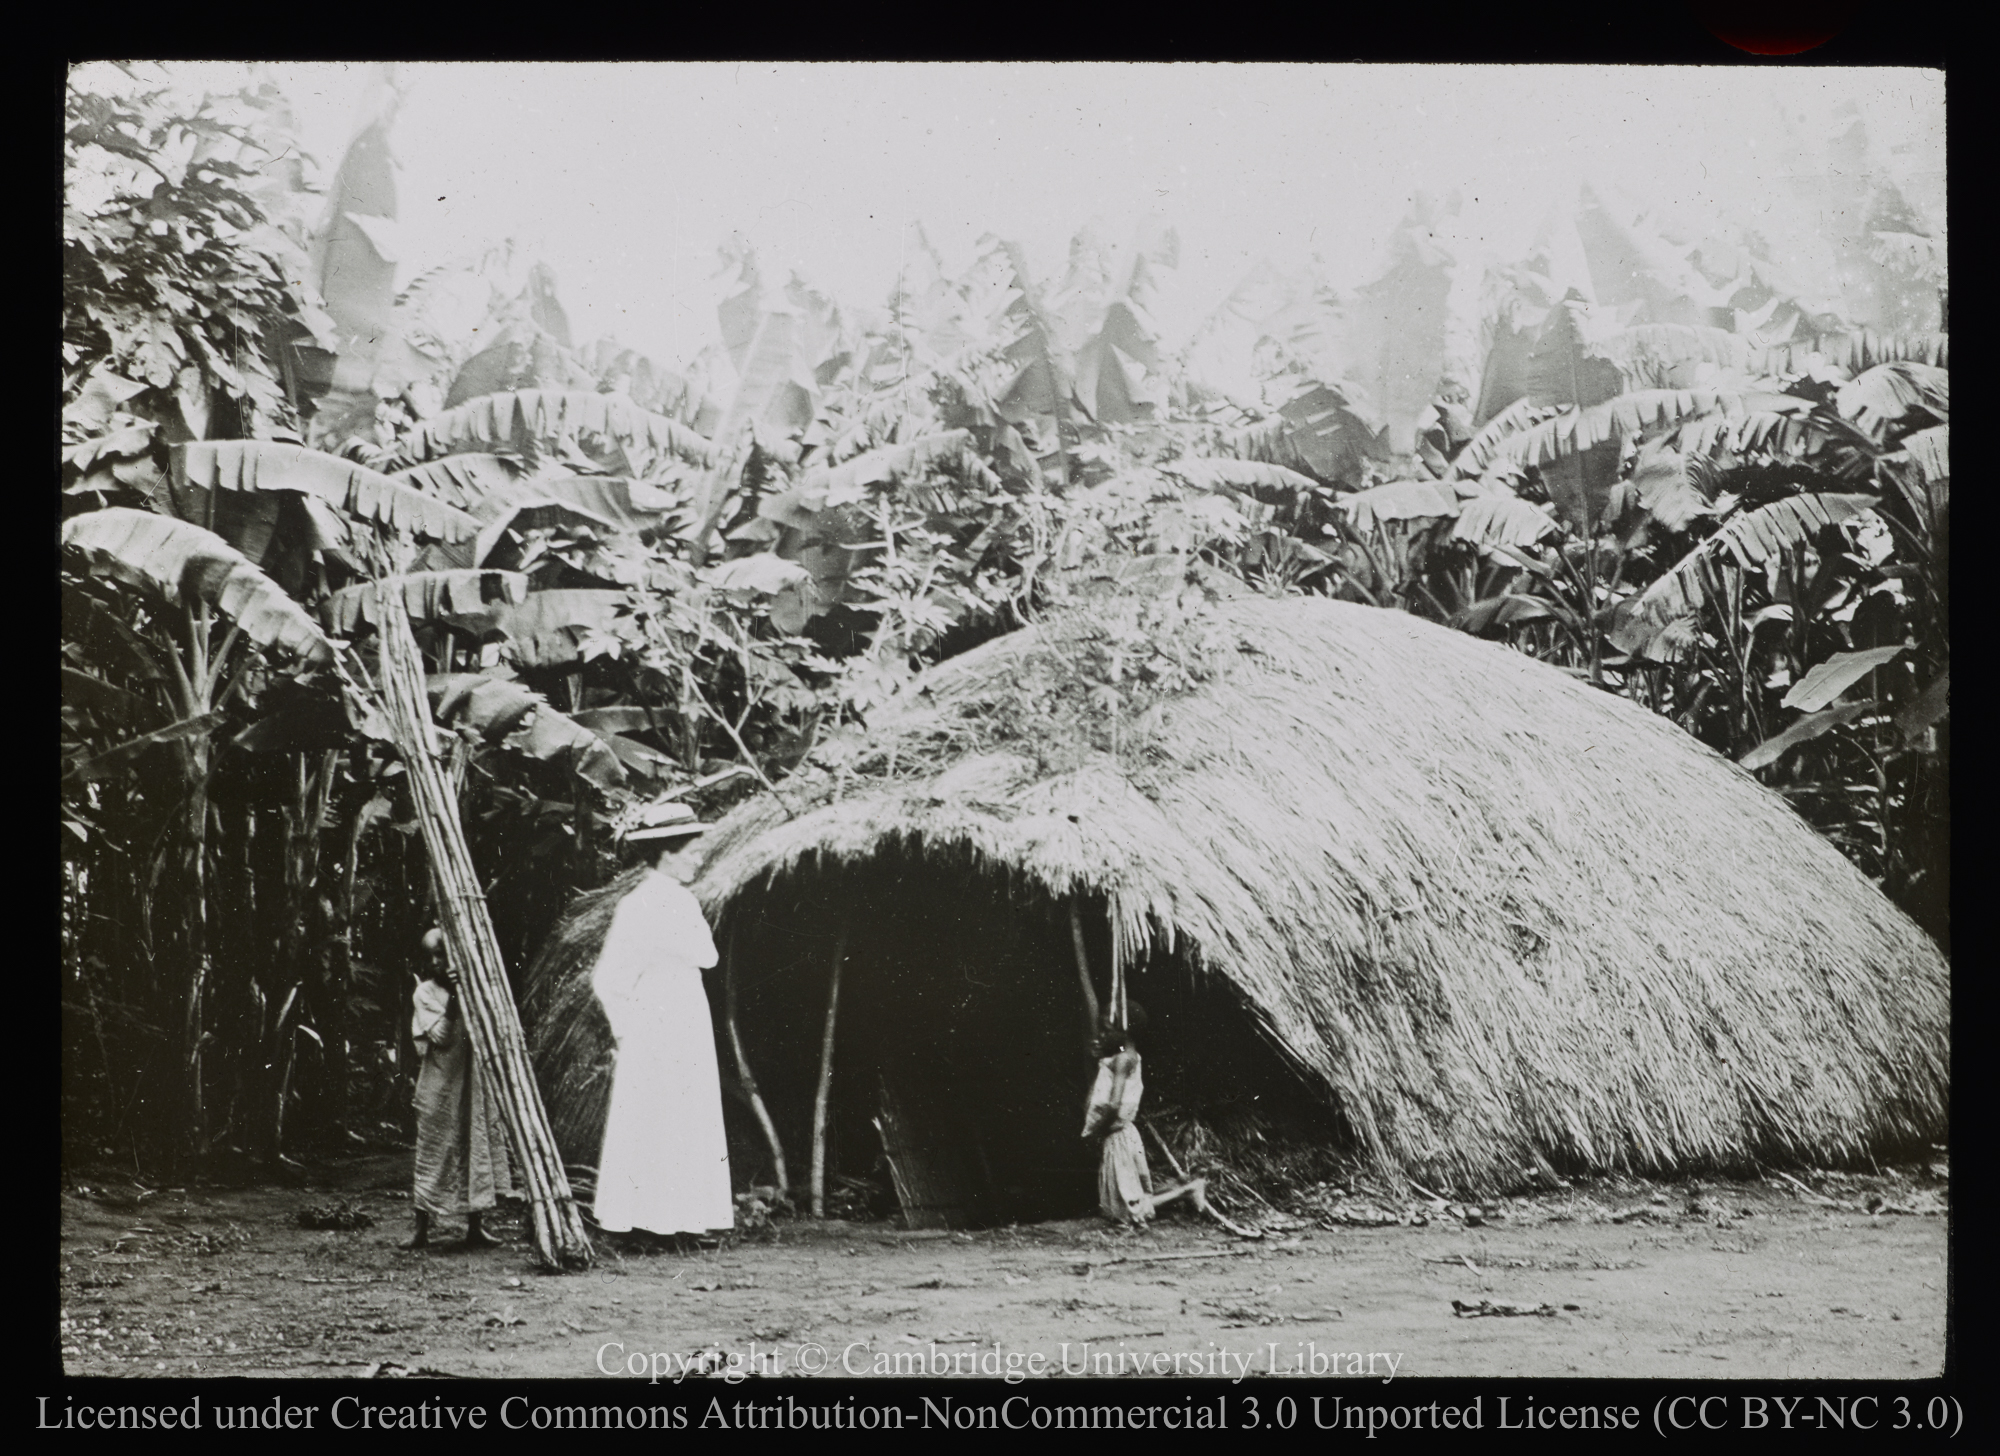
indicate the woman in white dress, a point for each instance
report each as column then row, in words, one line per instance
column 664, row 1167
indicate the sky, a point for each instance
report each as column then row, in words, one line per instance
column 624, row 178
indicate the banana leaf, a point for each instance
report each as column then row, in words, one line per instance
column 1828, row 680
column 186, row 565
column 263, row 465
column 429, row 596
column 1750, row 539
column 513, row 715
column 1813, row 725
column 529, row 420
column 546, row 629
column 114, row 761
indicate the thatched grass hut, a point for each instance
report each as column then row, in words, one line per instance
column 1424, row 898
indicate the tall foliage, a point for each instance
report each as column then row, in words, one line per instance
column 183, row 317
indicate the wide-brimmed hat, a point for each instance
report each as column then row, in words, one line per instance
column 662, row 819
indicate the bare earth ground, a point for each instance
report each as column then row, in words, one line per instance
column 1762, row 1279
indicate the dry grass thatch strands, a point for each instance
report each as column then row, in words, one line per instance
column 1498, row 917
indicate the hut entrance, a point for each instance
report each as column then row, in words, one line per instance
column 959, row 1070
column 967, row 1049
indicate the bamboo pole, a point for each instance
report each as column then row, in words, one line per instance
column 743, row 1073
column 1083, row 977
column 821, row 1096
column 473, row 949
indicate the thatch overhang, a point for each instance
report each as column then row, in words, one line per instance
column 1501, row 919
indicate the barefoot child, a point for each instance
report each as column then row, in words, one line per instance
column 461, row 1162
column 1124, row 1182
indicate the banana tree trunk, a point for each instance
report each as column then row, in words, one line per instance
column 560, row 1238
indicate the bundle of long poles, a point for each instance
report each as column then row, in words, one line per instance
column 561, row 1242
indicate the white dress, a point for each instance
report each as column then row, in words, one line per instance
column 665, row 1163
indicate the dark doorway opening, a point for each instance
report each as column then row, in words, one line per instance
column 962, row 1063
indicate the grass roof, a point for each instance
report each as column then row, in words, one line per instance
column 1502, row 918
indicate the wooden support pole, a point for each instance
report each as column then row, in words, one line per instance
column 472, row 948
column 743, row 1074
column 1119, row 1018
column 823, row 1095
column 1090, row 1028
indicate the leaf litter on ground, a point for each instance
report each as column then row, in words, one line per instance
column 337, row 1214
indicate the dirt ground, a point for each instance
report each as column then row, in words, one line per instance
column 1771, row 1278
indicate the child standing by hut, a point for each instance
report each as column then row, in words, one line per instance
column 461, row 1157
column 1124, row 1181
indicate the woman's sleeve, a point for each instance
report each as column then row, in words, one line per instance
column 612, row 979
column 657, row 929
column 632, row 947
column 688, row 928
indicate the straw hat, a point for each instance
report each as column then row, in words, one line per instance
column 662, row 819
